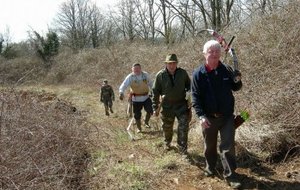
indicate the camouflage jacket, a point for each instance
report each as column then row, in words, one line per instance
column 107, row 93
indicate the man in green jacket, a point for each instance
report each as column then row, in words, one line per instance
column 169, row 89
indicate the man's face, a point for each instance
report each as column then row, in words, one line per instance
column 213, row 55
column 171, row 66
column 137, row 70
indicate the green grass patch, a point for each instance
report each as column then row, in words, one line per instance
column 130, row 175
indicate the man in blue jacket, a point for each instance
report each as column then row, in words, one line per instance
column 213, row 101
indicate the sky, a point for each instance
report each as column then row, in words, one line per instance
column 20, row 16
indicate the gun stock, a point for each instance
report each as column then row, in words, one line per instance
column 157, row 111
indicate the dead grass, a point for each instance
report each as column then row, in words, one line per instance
column 269, row 50
column 43, row 144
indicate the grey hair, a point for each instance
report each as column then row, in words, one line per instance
column 209, row 44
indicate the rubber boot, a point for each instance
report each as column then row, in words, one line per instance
column 106, row 111
column 138, row 125
column 147, row 118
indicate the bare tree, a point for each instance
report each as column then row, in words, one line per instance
column 216, row 14
column 74, row 24
column 186, row 16
column 266, row 6
column 126, row 20
column 7, row 48
column 203, row 11
column 153, row 15
column 82, row 24
column 146, row 18
column 1, row 43
column 167, row 19
column 97, row 24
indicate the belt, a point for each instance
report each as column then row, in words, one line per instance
column 215, row 115
column 175, row 101
column 134, row 94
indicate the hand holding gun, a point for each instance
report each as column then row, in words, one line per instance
column 156, row 112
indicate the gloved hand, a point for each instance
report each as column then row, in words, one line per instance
column 121, row 96
column 237, row 76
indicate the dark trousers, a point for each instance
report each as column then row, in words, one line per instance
column 107, row 104
column 225, row 126
column 138, row 106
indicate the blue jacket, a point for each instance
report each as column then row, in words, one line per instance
column 212, row 92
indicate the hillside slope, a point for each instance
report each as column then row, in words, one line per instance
column 119, row 163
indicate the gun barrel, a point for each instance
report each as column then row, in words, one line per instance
column 235, row 60
column 159, row 107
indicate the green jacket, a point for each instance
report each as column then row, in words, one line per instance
column 107, row 93
column 173, row 87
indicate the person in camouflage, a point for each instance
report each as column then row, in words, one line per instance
column 107, row 96
column 169, row 89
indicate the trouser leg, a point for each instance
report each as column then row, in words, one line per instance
column 227, row 146
column 149, row 110
column 210, row 136
column 137, row 113
column 106, row 107
column 168, row 122
column 147, row 118
column 182, row 133
column 138, row 124
column 110, row 104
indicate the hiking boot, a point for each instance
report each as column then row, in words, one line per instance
column 233, row 182
column 167, row 147
column 138, row 125
column 147, row 118
column 182, row 150
column 209, row 173
column 111, row 111
column 147, row 125
column 107, row 113
column 186, row 158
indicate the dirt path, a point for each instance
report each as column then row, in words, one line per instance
column 143, row 164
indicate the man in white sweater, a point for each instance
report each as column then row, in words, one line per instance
column 140, row 85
